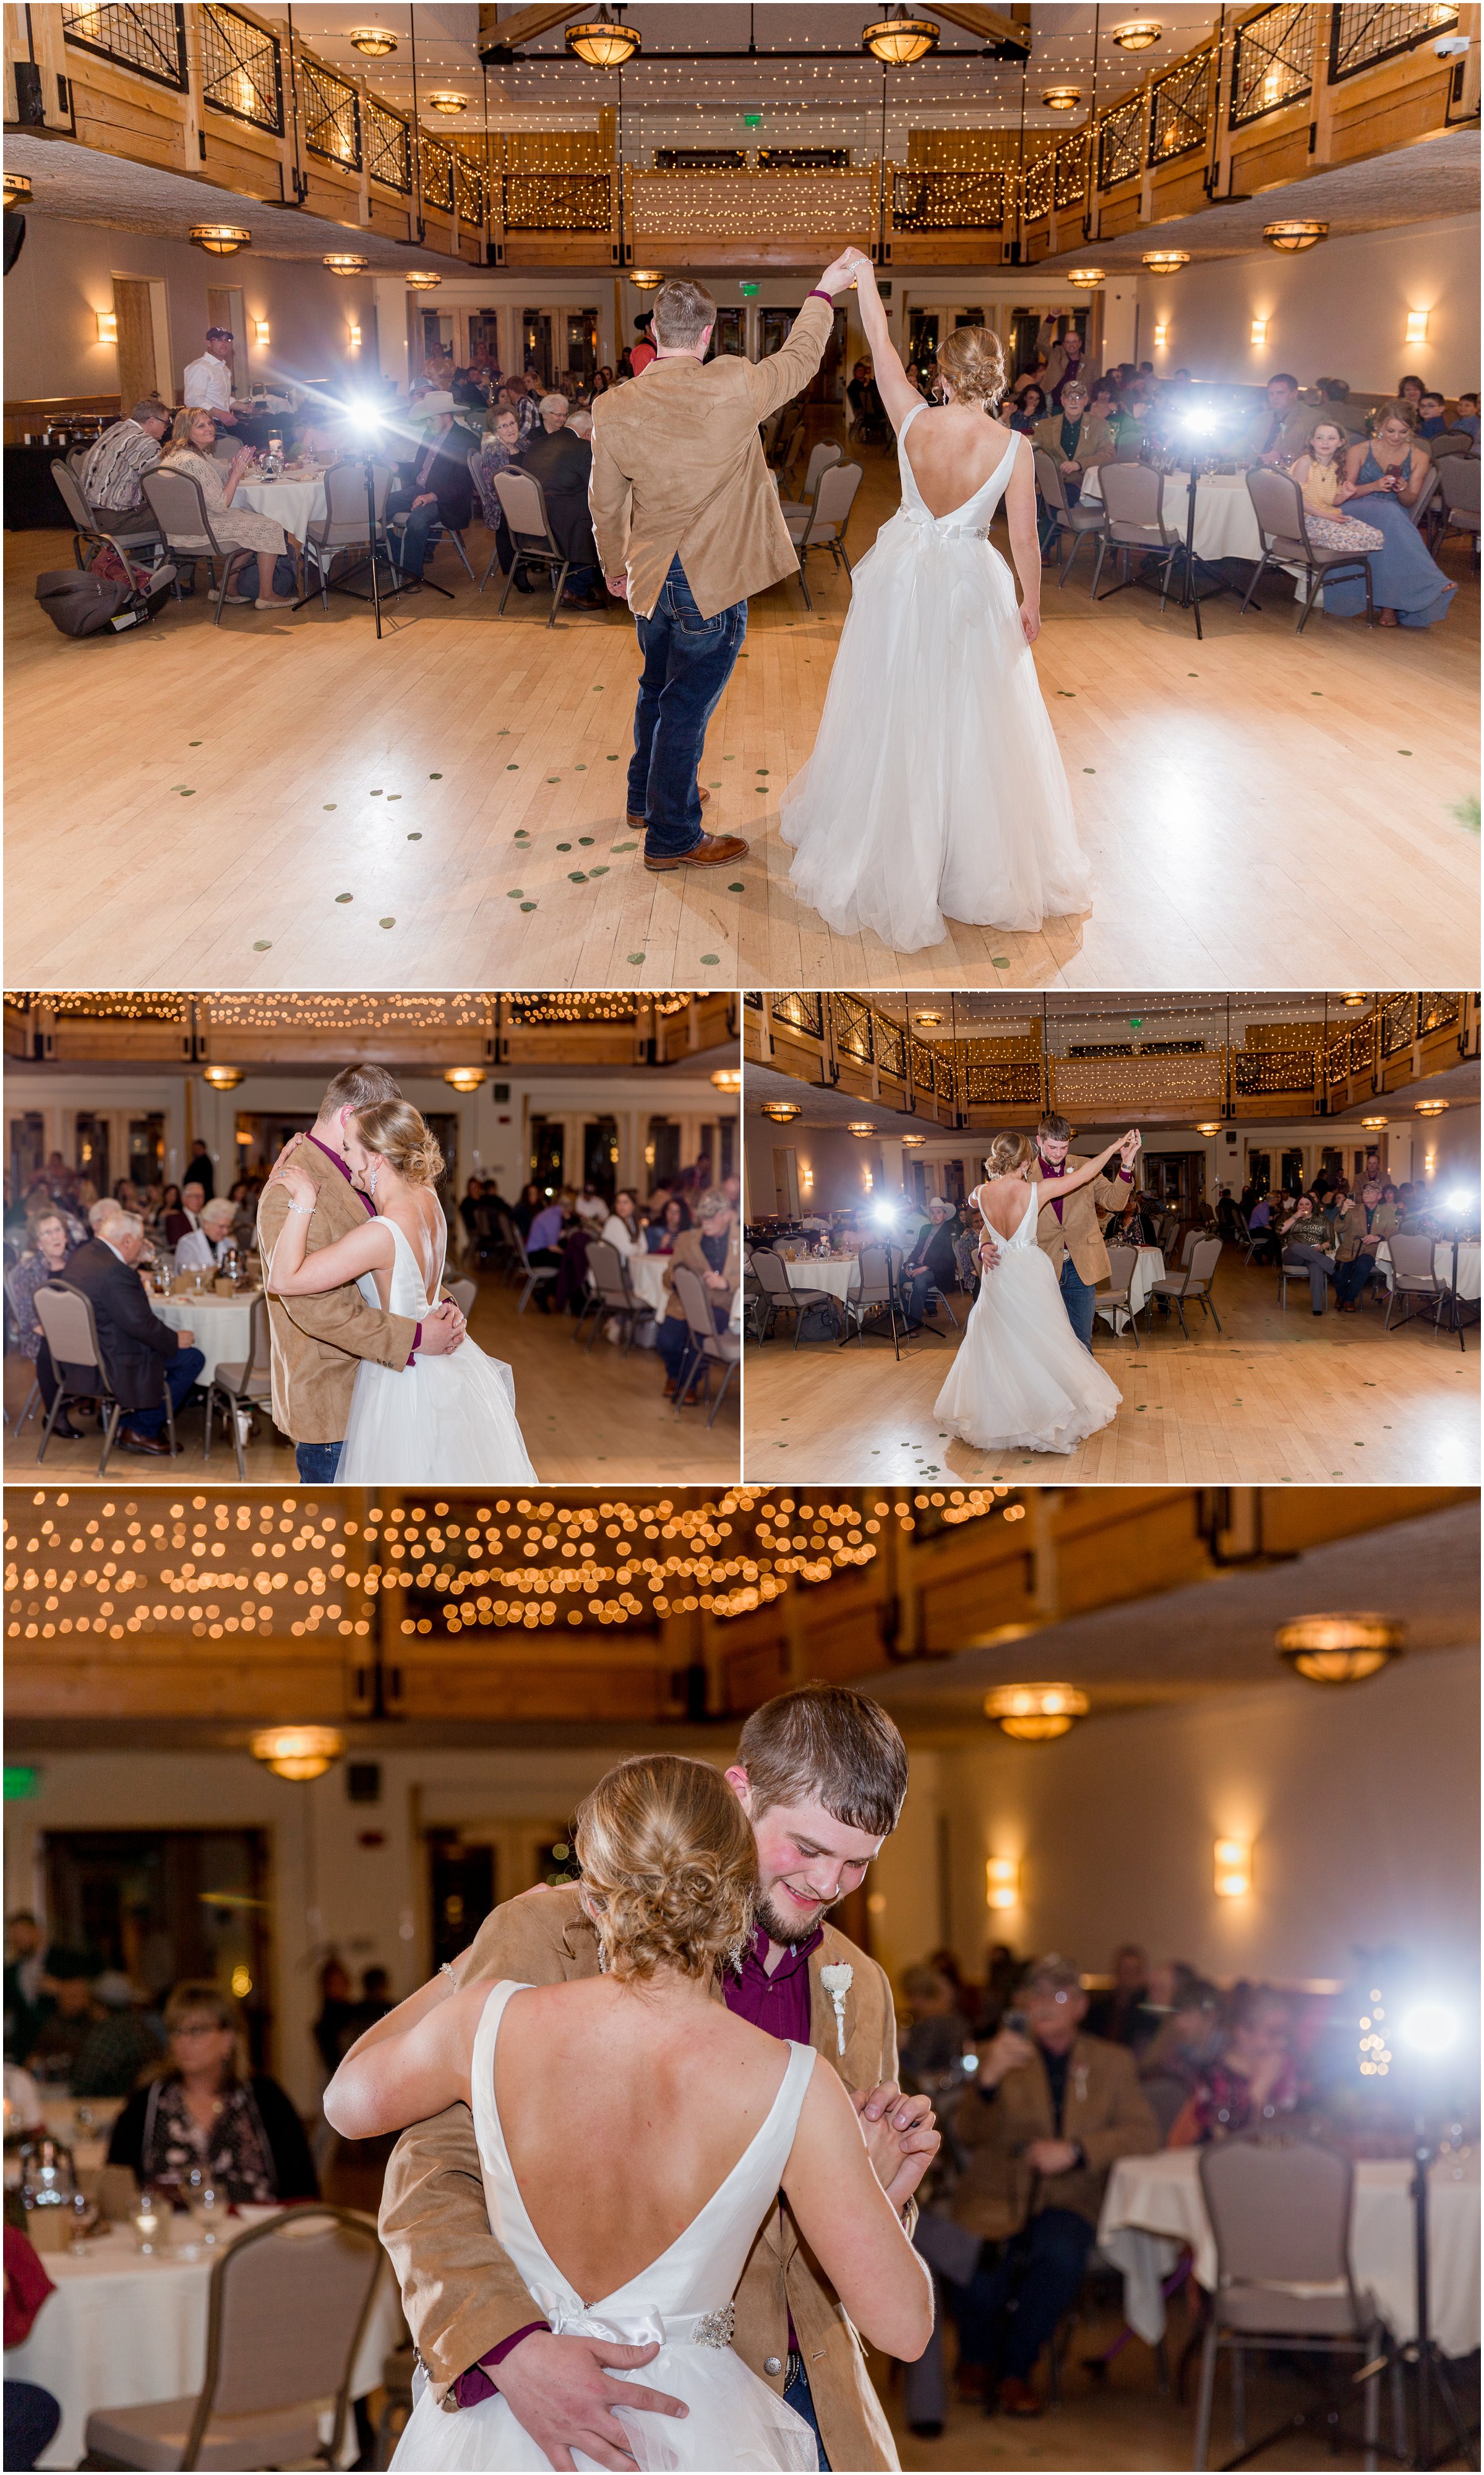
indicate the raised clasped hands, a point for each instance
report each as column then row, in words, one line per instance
column 902, row 2139
column 843, row 271
column 1130, row 1146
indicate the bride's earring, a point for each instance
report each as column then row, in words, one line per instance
column 371, row 1178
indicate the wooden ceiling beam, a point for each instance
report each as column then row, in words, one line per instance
column 991, row 25
column 508, row 34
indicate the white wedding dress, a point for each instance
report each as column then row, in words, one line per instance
column 683, row 2300
column 936, row 785
column 446, row 1421
column 1021, row 1375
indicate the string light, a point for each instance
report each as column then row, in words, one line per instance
column 349, row 1013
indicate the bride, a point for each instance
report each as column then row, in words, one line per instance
column 634, row 2134
column 1021, row 1375
column 936, row 784
column 445, row 1420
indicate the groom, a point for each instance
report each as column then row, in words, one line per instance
column 319, row 1341
column 687, row 525
column 820, row 1774
column 1068, row 1229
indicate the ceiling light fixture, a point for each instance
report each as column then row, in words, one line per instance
column 1034, row 1714
column 861, row 1126
column 1431, row 1108
column 1208, row 1129
column 444, row 99
column 727, row 1078
column 782, row 1111
column 1353, row 997
column 647, row 279
column 344, row 262
column 17, row 190
column 422, row 279
column 930, row 1017
column 223, row 1078
column 898, row 39
column 1061, row 98
column 1294, row 236
column 1085, row 276
column 375, row 41
column 602, row 41
column 464, row 1078
column 1166, row 261
column 1376, row 1123
column 1137, row 34
column 220, row 240
column 912, row 1142
column 298, row 1752
column 1340, row 1650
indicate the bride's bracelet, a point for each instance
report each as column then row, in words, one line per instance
column 300, row 1206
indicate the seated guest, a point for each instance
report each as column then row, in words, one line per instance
column 205, row 2107
column 523, row 404
column 1431, row 416
column 244, row 1207
column 711, row 1251
column 662, row 1231
column 64, row 2030
column 1384, row 476
column 112, row 475
column 868, row 414
column 32, row 2415
column 621, row 1227
column 44, row 1260
column 201, row 1249
column 1320, row 472
column 1467, row 417
column 1075, row 438
column 1309, row 1243
column 142, row 1356
column 1048, row 2115
column 1253, row 2080
column 642, row 354
column 934, row 2040
column 563, row 464
column 1031, row 410
column 1417, row 1219
column 190, row 1203
column 1122, row 2014
column 931, row 1264
column 1187, row 2038
column 499, row 452
column 1281, row 428
column 544, row 1240
column 530, row 1202
column 441, row 490
column 191, row 441
column 1386, row 1218
column 121, row 2045
column 1411, row 390
column 1334, row 402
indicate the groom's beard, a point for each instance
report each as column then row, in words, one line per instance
column 788, row 1930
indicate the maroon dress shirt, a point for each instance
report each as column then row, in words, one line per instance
column 371, row 1209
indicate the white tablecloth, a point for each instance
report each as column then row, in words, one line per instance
column 646, row 1279
column 1160, row 2198
column 293, row 504
column 1469, row 1254
column 1225, row 526
column 223, row 1328
column 841, row 1275
column 1149, row 1270
column 123, row 2330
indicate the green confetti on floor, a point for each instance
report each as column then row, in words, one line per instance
column 597, row 872
column 585, row 838
column 1089, row 769
column 345, row 898
column 728, row 760
column 553, row 777
column 195, row 743
column 376, row 795
column 622, row 846
column 576, row 876
column 1404, row 751
column 528, row 906
column 386, row 923
column 1001, row 962
column 737, row 887
column 512, row 769
column 580, row 769
column 390, row 795
column 598, row 691
column 761, row 768
column 1066, row 691
column 513, row 892
column 330, row 805
column 610, row 760
column 414, row 837
column 262, row 945
column 436, row 778
column 636, row 958
column 713, row 786
column 187, row 795
column 564, row 845
column 711, row 958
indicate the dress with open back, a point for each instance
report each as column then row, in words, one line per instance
column 1021, row 1376
column 935, row 785
column 444, row 1421
column 682, row 2301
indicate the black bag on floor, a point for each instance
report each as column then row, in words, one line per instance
column 81, row 604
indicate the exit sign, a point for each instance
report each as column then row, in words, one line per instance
column 749, row 291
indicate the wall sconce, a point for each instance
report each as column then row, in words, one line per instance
column 1002, row 1882
column 108, row 326
column 1162, row 334
column 867, row 1179
column 1416, row 326
column 1259, row 334
column 1233, row 1879
column 259, row 331
column 352, row 330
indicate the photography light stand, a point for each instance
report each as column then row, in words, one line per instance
column 1422, row 2355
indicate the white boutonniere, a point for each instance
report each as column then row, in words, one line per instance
column 837, row 1981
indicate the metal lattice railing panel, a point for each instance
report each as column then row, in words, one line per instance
column 1121, row 143
column 1361, row 36
column 1437, row 1013
column 948, row 200
column 1071, row 175
column 145, row 36
column 1038, row 188
column 241, row 69
column 467, row 190
column 1399, row 1019
column 558, row 202
column 1180, row 115
column 803, row 1007
column 852, row 1020
column 891, row 1048
column 1272, row 62
column 388, row 146
column 332, row 117
column 437, row 168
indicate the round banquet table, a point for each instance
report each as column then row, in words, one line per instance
column 1468, row 1253
column 123, row 2330
column 223, row 1327
column 1149, row 1270
column 292, row 503
column 841, row 1274
column 1154, row 2205
column 1225, row 526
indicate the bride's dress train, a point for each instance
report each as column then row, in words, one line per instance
column 445, row 1421
column 1021, row 1375
column 683, row 2300
column 936, row 784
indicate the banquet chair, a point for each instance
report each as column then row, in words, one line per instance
column 1283, row 529
column 876, row 1294
column 786, row 438
column 1421, row 506
column 781, row 1297
column 532, row 541
column 1414, row 1274
column 1194, row 1282
column 609, row 1292
column 1452, row 442
column 820, row 458
column 1280, row 2213
column 533, row 1276
column 125, row 535
column 35, row 1393
column 966, row 1254
column 65, row 1316
column 345, row 524
column 1083, row 523
column 1133, row 505
column 180, row 510
column 1122, row 1264
column 709, row 1347
column 1458, row 496
column 245, row 1386
column 286, row 2312
column 824, row 523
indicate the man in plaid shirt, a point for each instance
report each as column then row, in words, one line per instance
column 112, row 475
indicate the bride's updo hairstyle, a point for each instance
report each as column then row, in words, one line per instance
column 669, row 1867
column 398, row 1133
column 1007, row 1154
column 972, row 359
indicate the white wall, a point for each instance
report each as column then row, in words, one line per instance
column 1338, row 310
column 1361, row 1803
column 64, row 275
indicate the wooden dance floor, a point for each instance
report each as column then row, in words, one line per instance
column 585, row 1420
column 276, row 803
column 1275, row 1396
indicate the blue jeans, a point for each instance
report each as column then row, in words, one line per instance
column 797, row 2395
column 32, row 2416
column 1076, row 1297
column 181, row 1373
column 1319, row 1267
column 687, row 661
column 317, row 1463
column 914, row 1295
column 420, row 524
column 1037, row 2284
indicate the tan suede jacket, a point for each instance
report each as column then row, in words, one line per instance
column 678, row 467
column 319, row 1341
column 1104, row 2108
column 1079, row 1233
column 463, row 2295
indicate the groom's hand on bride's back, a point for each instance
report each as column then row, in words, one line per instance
column 560, row 2391
column 442, row 1330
